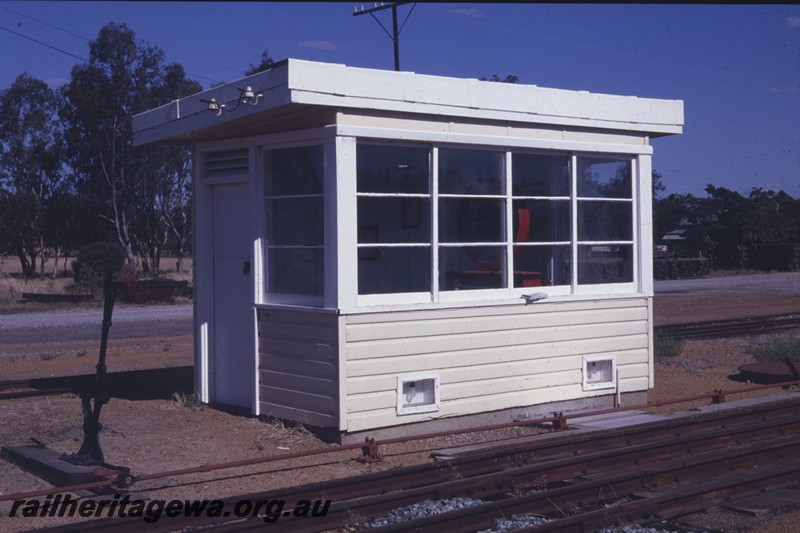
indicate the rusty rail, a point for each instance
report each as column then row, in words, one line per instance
column 575, row 472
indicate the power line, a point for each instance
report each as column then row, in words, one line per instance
column 44, row 44
column 45, row 23
column 83, row 59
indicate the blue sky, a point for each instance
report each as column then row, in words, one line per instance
column 736, row 67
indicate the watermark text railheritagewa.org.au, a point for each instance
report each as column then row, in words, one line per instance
column 152, row 511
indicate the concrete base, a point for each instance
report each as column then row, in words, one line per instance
column 51, row 466
column 48, row 465
column 767, row 503
column 505, row 416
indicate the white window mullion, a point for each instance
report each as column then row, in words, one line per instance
column 434, row 187
column 509, row 229
column 573, row 163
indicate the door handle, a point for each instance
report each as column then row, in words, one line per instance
column 246, row 267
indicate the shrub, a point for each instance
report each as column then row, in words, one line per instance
column 777, row 349
column 666, row 346
column 93, row 261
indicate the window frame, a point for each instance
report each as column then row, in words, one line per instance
column 573, row 289
column 264, row 173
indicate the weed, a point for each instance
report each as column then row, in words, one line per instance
column 47, row 356
column 189, row 401
column 167, row 347
column 80, row 353
column 777, row 349
column 666, row 346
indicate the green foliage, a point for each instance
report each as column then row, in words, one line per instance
column 726, row 224
column 508, row 79
column 665, row 346
column 777, row 349
column 132, row 188
column 93, row 261
column 102, row 256
column 31, row 166
column 265, row 64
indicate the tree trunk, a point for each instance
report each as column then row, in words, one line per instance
column 24, row 263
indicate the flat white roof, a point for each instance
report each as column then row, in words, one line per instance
column 300, row 83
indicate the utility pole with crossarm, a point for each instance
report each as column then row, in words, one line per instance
column 395, row 35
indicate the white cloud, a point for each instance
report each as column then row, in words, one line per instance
column 467, row 12
column 784, row 89
column 317, row 45
column 793, row 23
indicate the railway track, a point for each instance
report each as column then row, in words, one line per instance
column 572, row 481
column 148, row 383
column 697, row 330
column 729, row 328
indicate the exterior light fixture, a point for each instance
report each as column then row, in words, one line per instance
column 246, row 96
column 215, row 107
column 249, row 97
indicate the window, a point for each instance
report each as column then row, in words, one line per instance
column 438, row 220
column 394, row 219
column 472, row 206
column 294, row 220
column 541, row 214
column 605, row 220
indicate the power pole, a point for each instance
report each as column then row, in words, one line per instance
column 395, row 35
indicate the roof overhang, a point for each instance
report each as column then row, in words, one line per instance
column 296, row 87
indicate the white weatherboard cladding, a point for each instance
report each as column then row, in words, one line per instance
column 491, row 358
column 342, row 371
column 298, row 369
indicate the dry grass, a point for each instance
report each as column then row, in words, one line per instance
column 13, row 284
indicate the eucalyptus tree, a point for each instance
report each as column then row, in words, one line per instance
column 125, row 186
column 31, row 169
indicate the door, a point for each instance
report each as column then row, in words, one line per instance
column 232, row 331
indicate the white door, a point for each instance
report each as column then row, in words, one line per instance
column 232, row 331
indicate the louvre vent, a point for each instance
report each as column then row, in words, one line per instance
column 226, row 163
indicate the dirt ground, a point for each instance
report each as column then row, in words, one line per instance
column 156, row 435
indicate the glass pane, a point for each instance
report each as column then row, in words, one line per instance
column 295, row 221
column 605, row 221
column 394, row 220
column 536, row 266
column 296, row 271
column 471, row 220
column 471, row 172
column 604, row 178
column 472, row 267
column 389, row 270
column 605, row 264
column 392, row 169
column 295, row 171
column 540, row 175
column 541, row 220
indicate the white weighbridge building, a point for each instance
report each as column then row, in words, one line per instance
column 380, row 252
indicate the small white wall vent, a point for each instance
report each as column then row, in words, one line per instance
column 599, row 372
column 418, row 393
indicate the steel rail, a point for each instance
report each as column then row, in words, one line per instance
column 485, row 475
column 609, row 462
column 729, row 328
column 605, row 489
column 309, row 453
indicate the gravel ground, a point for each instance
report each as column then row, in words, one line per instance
column 156, row 435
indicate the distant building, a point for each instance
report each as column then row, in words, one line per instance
column 379, row 251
